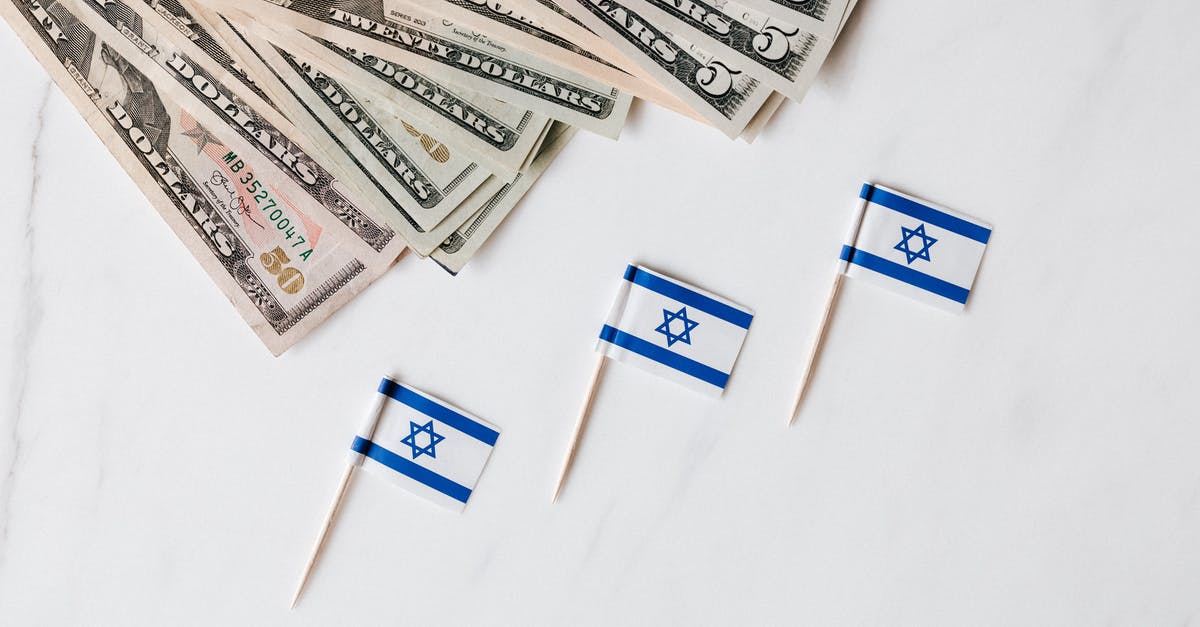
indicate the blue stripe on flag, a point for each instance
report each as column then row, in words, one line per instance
column 443, row 414
column 664, row 356
column 940, row 219
column 691, row 298
column 413, row 471
column 904, row 274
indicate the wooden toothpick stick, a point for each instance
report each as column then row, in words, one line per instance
column 830, row 304
column 580, row 425
column 325, row 529
column 367, row 432
column 817, row 342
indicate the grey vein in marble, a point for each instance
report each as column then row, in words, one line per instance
column 28, row 314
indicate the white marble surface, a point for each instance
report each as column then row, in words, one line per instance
column 1031, row 462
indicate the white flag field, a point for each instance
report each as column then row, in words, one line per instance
column 675, row 330
column 424, row 444
column 915, row 247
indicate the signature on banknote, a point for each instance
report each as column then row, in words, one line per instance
column 236, row 205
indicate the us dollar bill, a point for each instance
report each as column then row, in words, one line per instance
column 760, row 119
column 556, row 19
column 414, row 169
column 284, row 256
column 161, row 44
column 187, row 23
column 400, row 213
column 823, row 17
column 559, row 20
column 270, row 134
column 525, row 29
column 709, row 84
column 428, row 43
column 783, row 56
column 516, row 131
column 495, row 134
column 379, row 147
column 846, row 15
column 466, row 241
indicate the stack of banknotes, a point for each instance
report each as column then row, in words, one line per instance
column 299, row 147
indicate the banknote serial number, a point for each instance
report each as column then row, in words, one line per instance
column 289, row 278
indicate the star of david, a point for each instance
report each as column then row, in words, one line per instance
column 411, row 440
column 927, row 242
column 201, row 136
column 685, row 335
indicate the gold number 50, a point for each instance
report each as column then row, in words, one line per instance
column 290, row 279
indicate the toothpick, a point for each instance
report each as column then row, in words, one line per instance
column 830, row 303
column 818, row 341
column 328, row 526
column 580, row 425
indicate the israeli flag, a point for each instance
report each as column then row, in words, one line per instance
column 426, row 445
column 675, row 330
column 915, row 247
